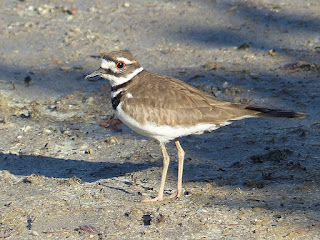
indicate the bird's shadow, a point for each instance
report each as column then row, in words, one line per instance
column 25, row 165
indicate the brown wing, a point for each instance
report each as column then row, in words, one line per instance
column 169, row 101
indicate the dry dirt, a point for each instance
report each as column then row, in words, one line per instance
column 69, row 170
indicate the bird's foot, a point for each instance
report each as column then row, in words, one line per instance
column 156, row 199
column 175, row 195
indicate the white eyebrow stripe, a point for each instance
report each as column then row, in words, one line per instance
column 107, row 64
column 125, row 60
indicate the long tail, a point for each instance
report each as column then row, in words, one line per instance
column 267, row 112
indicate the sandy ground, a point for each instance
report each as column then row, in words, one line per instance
column 69, row 171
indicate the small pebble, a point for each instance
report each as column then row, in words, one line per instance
column 212, row 65
column 89, row 151
column 46, row 131
column 146, row 219
column 225, row 85
column 28, row 81
column 34, row 233
column 26, row 128
column 272, row 53
column 243, row 46
column 90, row 100
column 254, row 75
column 66, row 68
column 112, row 140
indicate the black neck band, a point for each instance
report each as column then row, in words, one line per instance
column 115, row 88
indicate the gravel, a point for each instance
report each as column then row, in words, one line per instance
column 70, row 170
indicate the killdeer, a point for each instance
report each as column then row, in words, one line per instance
column 165, row 108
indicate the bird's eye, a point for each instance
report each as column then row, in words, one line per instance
column 120, row 65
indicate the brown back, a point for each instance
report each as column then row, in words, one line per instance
column 168, row 101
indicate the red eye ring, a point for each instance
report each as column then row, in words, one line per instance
column 120, row 65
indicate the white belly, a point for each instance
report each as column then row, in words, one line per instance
column 163, row 133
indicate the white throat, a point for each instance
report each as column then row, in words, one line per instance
column 114, row 80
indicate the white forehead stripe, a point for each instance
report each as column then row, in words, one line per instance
column 107, row 64
column 126, row 61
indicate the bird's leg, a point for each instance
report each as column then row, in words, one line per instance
column 166, row 160
column 180, row 170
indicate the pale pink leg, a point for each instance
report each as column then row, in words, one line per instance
column 166, row 160
column 177, row 194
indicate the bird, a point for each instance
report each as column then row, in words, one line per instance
column 166, row 108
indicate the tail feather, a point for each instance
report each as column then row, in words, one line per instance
column 267, row 112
